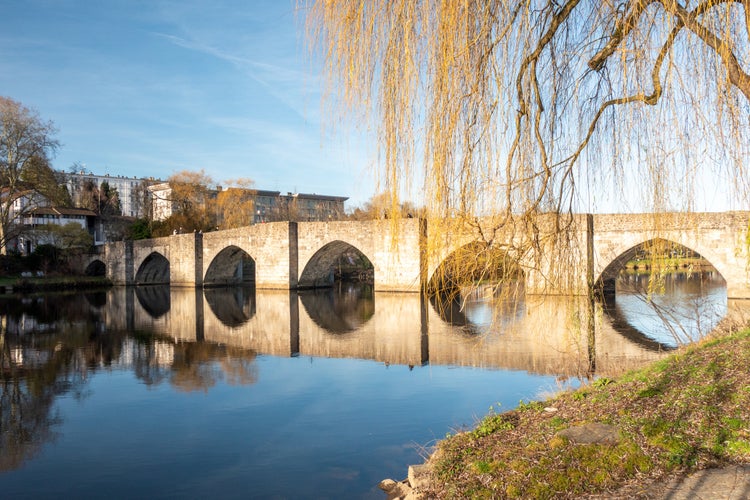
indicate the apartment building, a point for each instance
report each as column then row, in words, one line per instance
column 268, row 206
column 132, row 191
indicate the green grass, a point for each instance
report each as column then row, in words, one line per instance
column 674, row 263
column 686, row 412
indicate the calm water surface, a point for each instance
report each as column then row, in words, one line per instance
column 682, row 309
column 234, row 393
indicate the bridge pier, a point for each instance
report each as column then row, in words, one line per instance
column 118, row 258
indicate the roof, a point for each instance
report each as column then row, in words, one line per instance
column 62, row 211
column 18, row 192
column 162, row 186
column 314, row 196
column 105, row 177
column 251, row 191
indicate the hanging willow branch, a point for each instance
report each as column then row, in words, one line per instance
column 528, row 107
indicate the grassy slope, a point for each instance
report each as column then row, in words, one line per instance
column 686, row 412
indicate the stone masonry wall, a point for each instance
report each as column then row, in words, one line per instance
column 269, row 245
column 403, row 260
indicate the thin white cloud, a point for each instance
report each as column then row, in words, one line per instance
column 285, row 84
column 179, row 85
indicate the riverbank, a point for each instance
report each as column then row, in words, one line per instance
column 620, row 438
column 31, row 284
column 692, row 264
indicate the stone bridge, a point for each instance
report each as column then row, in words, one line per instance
column 292, row 255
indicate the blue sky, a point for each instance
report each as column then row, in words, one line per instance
column 149, row 88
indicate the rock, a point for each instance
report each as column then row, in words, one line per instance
column 417, row 475
column 395, row 489
column 398, row 490
column 406, row 490
column 387, row 485
column 591, row 433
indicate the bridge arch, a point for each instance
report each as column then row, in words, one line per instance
column 342, row 309
column 155, row 300
column 473, row 263
column 231, row 266
column 154, row 270
column 330, row 261
column 473, row 270
column 605, row 281
column 233, row 307
column 96, row 268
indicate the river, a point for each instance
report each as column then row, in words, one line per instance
column 239, row 393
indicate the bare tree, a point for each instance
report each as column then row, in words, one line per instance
column 26, row 144
column 142, row 200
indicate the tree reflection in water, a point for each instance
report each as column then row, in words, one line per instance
column 26, row 417
column 683, row 307
column 192, row 366
column 51, row 345
column 46, row 350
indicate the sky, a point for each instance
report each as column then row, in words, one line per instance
column 149, row 88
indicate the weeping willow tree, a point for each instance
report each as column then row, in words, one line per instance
column 512, row 116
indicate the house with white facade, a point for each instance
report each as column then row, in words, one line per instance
column 32, row 229
column 162, row 205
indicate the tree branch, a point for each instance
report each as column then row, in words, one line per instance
column 530, row 62
column 737, row 76
column 650, row 99
column 689, row 20
column 623, row 27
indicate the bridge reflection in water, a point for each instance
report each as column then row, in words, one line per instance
column 541, row 335
column 105, row 347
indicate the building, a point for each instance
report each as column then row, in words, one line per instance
column 161, row 200
column 304, row 207
column 267, row 206
column 132, row 191
column 59, row 216
column 33, row 222
column 30, row 212
column 23, row 203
